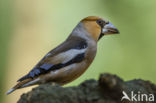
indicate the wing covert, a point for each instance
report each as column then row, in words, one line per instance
column 64, row 55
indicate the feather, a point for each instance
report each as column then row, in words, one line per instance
column 58, row 58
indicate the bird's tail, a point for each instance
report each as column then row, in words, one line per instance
column 19, row 85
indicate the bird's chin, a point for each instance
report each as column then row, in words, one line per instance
column 101, row 35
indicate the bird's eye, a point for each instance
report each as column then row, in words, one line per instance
column 100, row 22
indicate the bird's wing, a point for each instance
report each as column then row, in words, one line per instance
column 69, row 52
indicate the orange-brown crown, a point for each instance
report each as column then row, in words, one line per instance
column 92, row 27
column 92, row 18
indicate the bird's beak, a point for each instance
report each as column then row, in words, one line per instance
column 109, row 28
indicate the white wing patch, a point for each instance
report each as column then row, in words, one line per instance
column 67, row 55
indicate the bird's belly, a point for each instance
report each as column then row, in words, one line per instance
column 68, row 73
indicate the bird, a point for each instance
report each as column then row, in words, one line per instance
column 71, row 58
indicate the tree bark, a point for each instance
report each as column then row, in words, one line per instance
column 108, row 89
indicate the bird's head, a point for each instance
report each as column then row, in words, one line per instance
column 98, row 27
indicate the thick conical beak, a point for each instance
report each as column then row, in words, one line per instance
column 109, row 28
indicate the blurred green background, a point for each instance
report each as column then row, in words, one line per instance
column 29, row 29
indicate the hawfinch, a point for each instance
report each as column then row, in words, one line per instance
column 70, row 59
